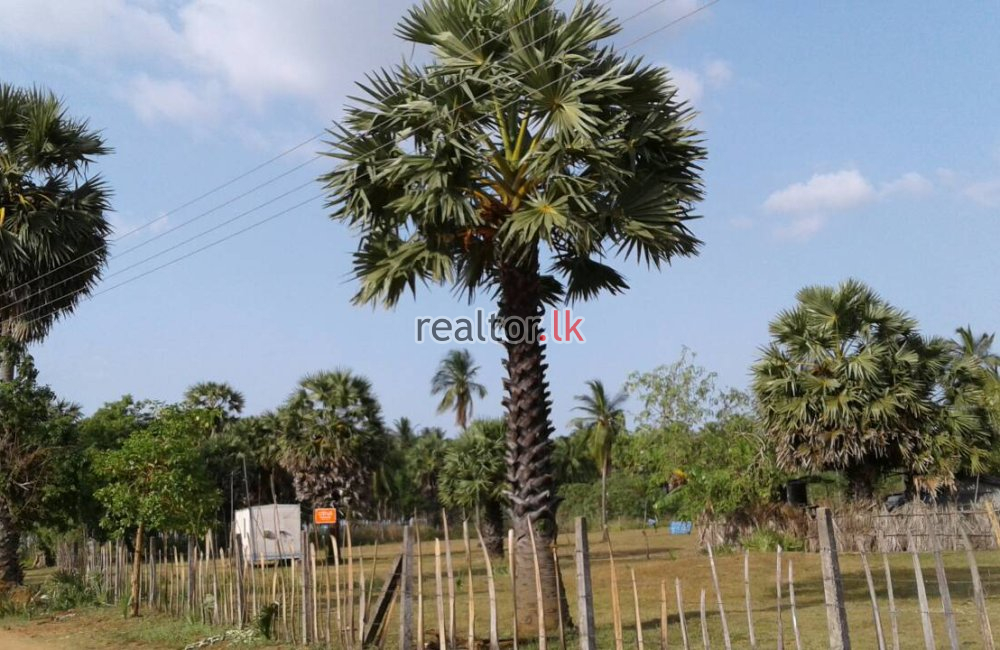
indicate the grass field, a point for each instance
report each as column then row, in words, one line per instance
column 669, row 558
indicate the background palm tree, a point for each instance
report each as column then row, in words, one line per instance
column 604, row 420
column 501, row 153
column 219, row 400
column 333, row 438
column 473, row 478
column 455, row 381
column 847, row 384
column 53, row 230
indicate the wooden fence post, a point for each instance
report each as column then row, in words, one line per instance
column 241, row 605
column 307, row 585
column 879, row 634
column 718, row 598
column 977, row 591
column 991, row 514
column 925, row 611
column 406, row 593
column 833, row 585
column 942, row 579
column 585, row 594
column 746, row 593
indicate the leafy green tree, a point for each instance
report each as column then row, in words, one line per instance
column 333, row 439
column 604, row 420
column 473, row 478
column 37, row 432
column 544, row 145
column 681, row 393
column 729, row 468
column 220, row 402
column 156, row 480
column 108, row 428
column 847, row 384
column 53, row 230
column 455, row 381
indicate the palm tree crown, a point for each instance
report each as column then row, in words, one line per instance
column 847, row 383
column 53, row 230
column 453, row 171
column 222, row 402
column 455, row 381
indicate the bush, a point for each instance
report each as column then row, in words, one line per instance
column 68, row 590
column 18, row 601
column 629, row 497
column 766, row 540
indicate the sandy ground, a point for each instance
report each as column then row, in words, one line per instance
column 11, row 640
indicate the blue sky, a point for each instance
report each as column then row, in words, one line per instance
column 849, row 139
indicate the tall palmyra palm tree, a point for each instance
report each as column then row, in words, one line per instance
column 528, row 140
column 455, row 381
column 333, row 438
column 847, row 384
column 53, row 230
column 220, row 400
column 604, row 420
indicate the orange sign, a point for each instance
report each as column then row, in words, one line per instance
column 324, row 516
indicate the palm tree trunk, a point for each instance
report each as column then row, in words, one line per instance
column 529, row 447
column 136, row 573
column 604, row 500
column 6, row 364
column 491, row 523
column 861, row 479
column 10, row 541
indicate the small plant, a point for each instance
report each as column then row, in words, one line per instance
column 68, row 590
column 265, row 620
column 18, row 601
column 769, row 540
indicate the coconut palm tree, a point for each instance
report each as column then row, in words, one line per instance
column 53, row 230
column 847, row 383
column 455, row 381
column 403, row 429
column 219, row 400
column 603, row 420
column 519, row 162
column 333, row 438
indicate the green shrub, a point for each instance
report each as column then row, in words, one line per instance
column 767, row 540
column 68, row 590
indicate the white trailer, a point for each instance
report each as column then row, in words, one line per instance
column 270, row 533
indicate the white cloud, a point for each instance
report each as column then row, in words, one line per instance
column 910, row 184
column 809, row 204
column 985, row 193
column 171, row 100
column 243, row 52
column 689, row 85
column 823, row 193
column 801, row 228
column 718, row 73
column 692, row 83
column 97, row 28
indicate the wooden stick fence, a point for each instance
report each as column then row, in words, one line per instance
column 356, row 601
